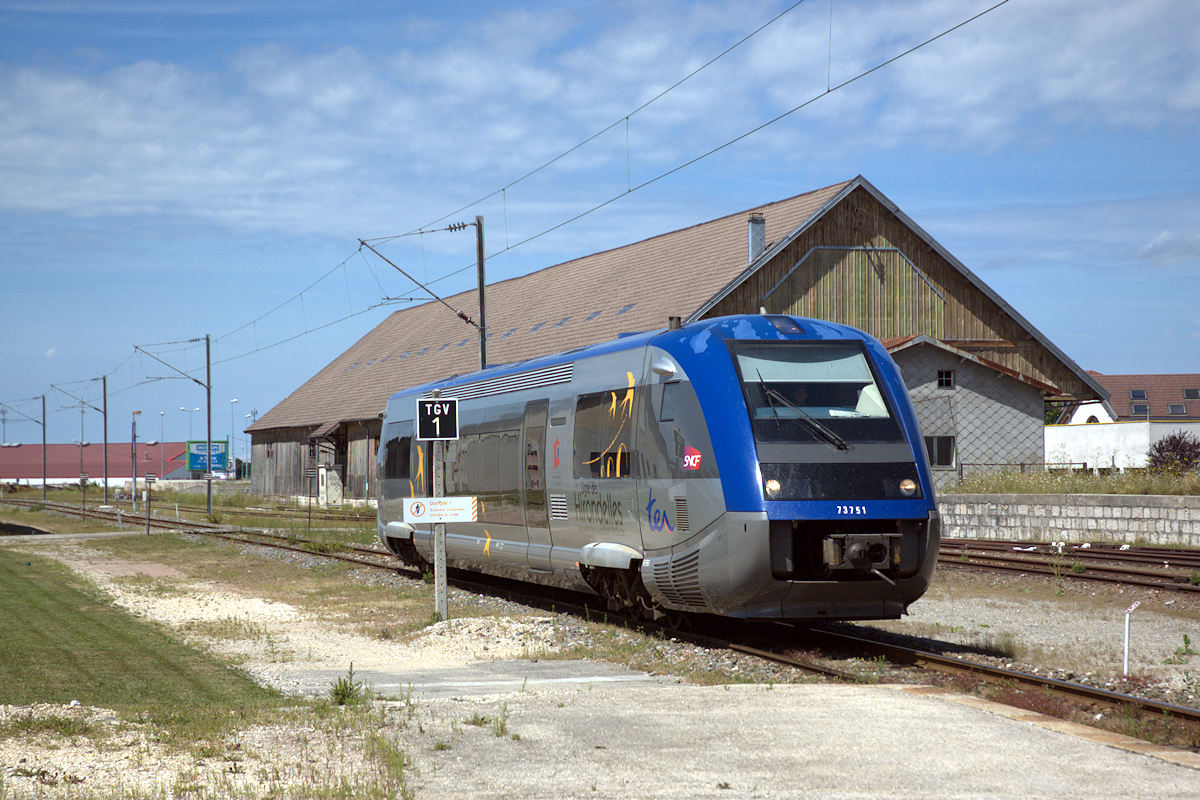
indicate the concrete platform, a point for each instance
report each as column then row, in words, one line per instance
column 796, row 741
column 483, row 679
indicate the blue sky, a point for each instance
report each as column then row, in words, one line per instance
column 172, row 169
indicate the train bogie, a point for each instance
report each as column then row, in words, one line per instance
column 750, row 466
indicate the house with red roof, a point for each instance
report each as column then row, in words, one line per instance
column 1117, row 433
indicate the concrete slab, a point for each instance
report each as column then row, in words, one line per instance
column 484, row 678
column 753, row 741
column 44, row 538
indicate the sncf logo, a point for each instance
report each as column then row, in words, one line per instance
column 691, row 458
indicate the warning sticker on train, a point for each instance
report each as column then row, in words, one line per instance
column 441, row 509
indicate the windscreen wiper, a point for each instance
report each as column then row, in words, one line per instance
column 803, row 416
column 767, row 394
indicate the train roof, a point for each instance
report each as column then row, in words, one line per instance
column 761, row 326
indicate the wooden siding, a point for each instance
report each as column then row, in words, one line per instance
column 362, row 442
column 282, row 455
column 870, row 289
column 849, row 290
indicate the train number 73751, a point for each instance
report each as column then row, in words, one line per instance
column 852, row 511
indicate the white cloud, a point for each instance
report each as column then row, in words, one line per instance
column 350, row 139
column 1172, row 247
column 50, row 352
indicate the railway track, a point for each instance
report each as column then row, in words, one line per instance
column 1083, row 697
column 1155, row 568
column 1088, row 700
column 117, row 516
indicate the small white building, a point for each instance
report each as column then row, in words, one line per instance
column 1118, row 433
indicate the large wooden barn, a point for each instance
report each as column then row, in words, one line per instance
column 978, row 372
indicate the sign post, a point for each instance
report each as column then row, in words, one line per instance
column 150, row 478
column 437, row 421
column 311, row 474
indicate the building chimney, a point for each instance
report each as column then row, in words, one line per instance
column 756, row 236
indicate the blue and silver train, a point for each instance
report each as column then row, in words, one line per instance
column 756, row 466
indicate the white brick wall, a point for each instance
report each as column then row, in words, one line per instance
column 1126, row 519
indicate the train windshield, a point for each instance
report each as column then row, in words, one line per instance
column 813, row 391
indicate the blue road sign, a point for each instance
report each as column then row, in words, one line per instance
column 198, row 463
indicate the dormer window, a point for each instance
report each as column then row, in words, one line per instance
column 1141, row 409
column 1177, row 409
column 1137, row 394
column 1191, row 394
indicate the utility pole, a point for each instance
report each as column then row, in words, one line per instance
column 133, row 455
column 43, row 447
column 482, row 282
column 207, row 384
column 104, row 388
column 208, row 395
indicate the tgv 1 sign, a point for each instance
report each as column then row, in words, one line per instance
column 437, row 419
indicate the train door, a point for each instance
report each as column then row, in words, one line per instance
column 533, row 484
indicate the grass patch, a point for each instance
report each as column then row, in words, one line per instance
column 63, row 642
column 321, row 590
column 61, row 523
column 29, row 725
column 1067, row 482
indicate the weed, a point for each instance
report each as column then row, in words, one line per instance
column 1078, row 569
column 440, row 745
column 28, row 725
column 869, row 671
column 392, row 763
column 1068, row 482
column 477, row 719
column 1194, row 578
column 500, row 723
column 1182, row 655
column 346, row 691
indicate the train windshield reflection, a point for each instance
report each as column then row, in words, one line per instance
column 805, row 391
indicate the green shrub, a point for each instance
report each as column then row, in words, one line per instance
column 1179, row 452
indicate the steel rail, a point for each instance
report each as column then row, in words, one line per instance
column 1181, row 559
column 113, row 516
column 899, row 654
column 1061, row 563
column 1122, row 577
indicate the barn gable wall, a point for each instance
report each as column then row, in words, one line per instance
column 899, row 286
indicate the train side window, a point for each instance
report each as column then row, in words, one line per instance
column 397, row 450
column 604, row 426
column 670, row 402
column 677, row 444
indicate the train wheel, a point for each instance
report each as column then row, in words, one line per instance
column 411, row 556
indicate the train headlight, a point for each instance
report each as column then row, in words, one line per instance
column 772, row 486
column 908, row 487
